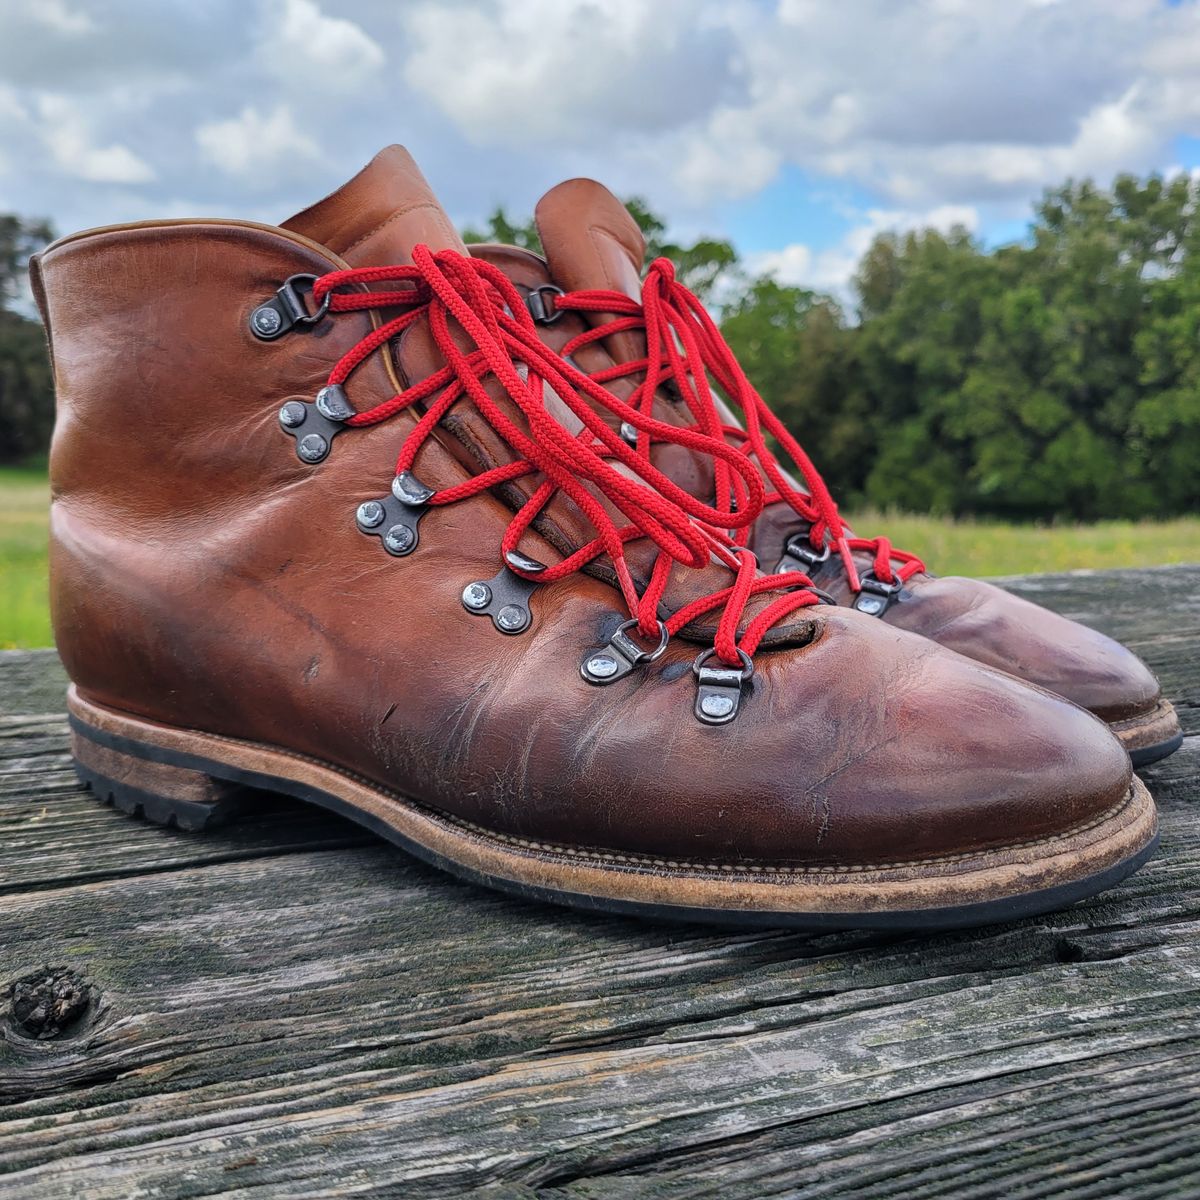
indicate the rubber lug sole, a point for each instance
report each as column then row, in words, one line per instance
column 1152, row 754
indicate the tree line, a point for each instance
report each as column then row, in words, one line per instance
column 26, row 389
column 1058, row 377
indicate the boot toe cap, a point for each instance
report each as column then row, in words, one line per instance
column 868, row 746
column 956, row 758
column 1041, row 647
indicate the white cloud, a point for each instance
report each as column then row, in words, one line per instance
column 67, row 46
column 56, row 15
column 67, row 133
column 929, row 100
column 1111, row 137
column 907, row 105
column 11, row 109
column 527, row 71
column 792, row 265
column 327, row 53
column 920, row 100
column 256, row 146
column 829, row 270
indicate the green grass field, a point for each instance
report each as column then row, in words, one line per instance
column 24, row 616
column 949, row 547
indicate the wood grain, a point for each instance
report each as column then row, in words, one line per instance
column 287, row 1008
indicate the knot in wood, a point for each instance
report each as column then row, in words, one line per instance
column 48, row 1002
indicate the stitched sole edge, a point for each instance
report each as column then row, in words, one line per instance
column 1150, row 736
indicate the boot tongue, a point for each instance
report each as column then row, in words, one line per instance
column 380, row 215
column 591, row 241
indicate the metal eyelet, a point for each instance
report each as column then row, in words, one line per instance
column 621, row 656
column 312, row 429
column 542, row 312
column 504, row 598
column 332, row 402
column 629, row 434
column 876, row 596
column 409, row 490
column 799, row 555
column 394, row 519
column 522, row 562
column 287, row 310
column 719, row 689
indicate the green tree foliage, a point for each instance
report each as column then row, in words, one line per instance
column 1055, row 378
column 500, row 228
column 26, row 388
column 794, row 347
column 1058, row 377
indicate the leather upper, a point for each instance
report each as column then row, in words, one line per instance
column 203, row 576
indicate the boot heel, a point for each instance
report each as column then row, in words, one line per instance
column 160, row 792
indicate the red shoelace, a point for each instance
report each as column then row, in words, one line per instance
column 685, row 348
column 480, row 299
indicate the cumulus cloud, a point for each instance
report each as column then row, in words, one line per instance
column 58, row 16
column 255, row 146
column 132, row 107
column 521, row 71
column 73, row 47
column 299, row 41
column 932, row 99
column 921, row 101
column 67, row 133
column 830, row 269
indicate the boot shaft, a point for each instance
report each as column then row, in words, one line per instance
column 164, row 394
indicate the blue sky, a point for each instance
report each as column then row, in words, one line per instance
column 798, row 128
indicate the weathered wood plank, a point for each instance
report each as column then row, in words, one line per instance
column 328, row 1017
column 33, row 682
column 53, row 834
column 239, row 1002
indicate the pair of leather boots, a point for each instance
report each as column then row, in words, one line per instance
column 490, row 553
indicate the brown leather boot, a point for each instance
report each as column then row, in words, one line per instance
column 594, row 251
column 250, row 591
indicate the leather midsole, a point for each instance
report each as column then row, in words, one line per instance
column 1161, row 724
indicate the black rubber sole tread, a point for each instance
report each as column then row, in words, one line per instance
column 188, row 816
column 1145, row 755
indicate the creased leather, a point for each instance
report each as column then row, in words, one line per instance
column 377, row 218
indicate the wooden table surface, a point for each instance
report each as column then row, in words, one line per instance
column 292, row 1008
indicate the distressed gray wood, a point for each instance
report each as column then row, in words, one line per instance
column 288, row 1008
